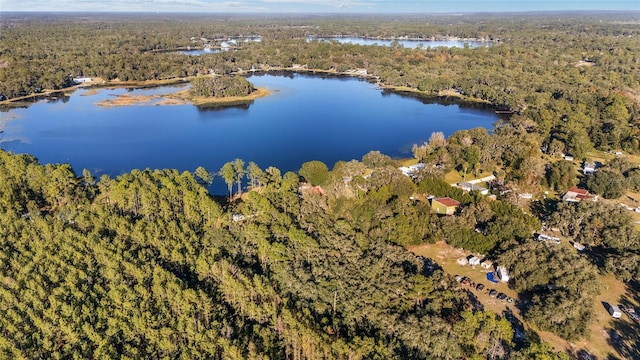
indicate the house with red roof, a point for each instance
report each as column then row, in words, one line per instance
column 444, row 205
column 575, row 194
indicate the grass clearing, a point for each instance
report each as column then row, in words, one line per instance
column 452, row 177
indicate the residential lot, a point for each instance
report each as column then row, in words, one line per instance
column 609, row 337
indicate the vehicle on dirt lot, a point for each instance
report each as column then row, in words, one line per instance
column 631, row 312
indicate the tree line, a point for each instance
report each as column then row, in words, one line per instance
column 149, row 265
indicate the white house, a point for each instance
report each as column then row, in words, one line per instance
column 503, row 274
column 411, row 170
column 548, row 239
column 474, row 260
column 468, row 186
column 82, row 80
column 588, row 168
column 575, row 194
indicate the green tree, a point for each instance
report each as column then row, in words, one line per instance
column 204, row 176
column 315, row 172
column 608, row 183
column 255, row 174
column 239, row 171
column 228, row 173
column 561, row 175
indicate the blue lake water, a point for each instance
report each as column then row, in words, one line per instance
column 305, row 118
column 198, row 52
column 411, row 44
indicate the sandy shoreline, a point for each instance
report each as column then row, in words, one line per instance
column 178, row 98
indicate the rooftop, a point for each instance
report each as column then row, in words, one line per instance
column 447, row 201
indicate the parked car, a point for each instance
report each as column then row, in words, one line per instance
column 631, row 312
column 502, row 297
column 493, row 292
column 479, row 287
column 465, row 280
column 459, row 278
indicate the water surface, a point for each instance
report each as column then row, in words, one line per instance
column 306, row 118
column 407, row 43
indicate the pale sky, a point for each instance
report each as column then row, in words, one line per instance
column 317, row 6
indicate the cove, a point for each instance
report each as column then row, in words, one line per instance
column 307, row 117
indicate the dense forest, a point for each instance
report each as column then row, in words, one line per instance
column 314, row 264
column 148, row 265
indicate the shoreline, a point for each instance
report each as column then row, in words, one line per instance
column 181, row 97
column 142, row 84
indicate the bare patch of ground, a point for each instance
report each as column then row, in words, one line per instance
column 177, row 98
column 126, row 100
column 585, row 63
column 90, row 92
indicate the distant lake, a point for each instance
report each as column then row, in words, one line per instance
column 306, row 118
column 407, row 43
column 224, row 46
column 198, row 52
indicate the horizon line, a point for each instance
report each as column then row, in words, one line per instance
column 323, row 12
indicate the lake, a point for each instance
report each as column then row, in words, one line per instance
column 306, row 118
column 407, row 43
column 198, row 52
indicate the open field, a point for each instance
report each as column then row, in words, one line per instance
column 609, row 338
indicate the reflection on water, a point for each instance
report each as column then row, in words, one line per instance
column 305, row 118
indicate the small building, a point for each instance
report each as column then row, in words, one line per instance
column 462, row 261
column 578, row 246
column 503, row 274
column 588, row 168
column 614, row 311
column 468, row 187
column 444, row 205
column 473, row 260
column 575, row 194
column 548, row 239
column 486, row 264
column 82, row 80
column 410, row 171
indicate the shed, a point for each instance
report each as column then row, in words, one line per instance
column 503, row 274
column 486, row 263
column 473, row 260
column 614, row 311
column 444, row 205
column 462, row 261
